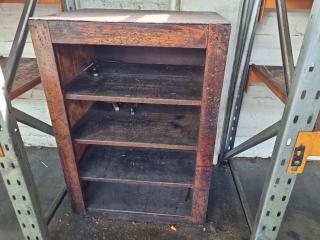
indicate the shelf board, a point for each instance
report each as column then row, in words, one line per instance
column 152, row 126
column 138, row 166
column 27, row 76
column 272, row 77
column 134, row 202
column 139, row 83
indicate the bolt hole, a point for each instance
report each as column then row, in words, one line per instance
column 18, row 182
column 263, row 228
column 277, row 180
column 19, row 212
column 295, row 120
column 8, row 182
column 288, row 141
column 303, row 94
column 278, row 214
column 6, row 147
column 284, row 198
column 272, row 198
column 28, row 212
column 268, row 213
column 23, row 225
column 23, row 198
column 311, row 69
column 289, row 181
column 33, row 226
column 274, row 228
column 318, row 95
column 309, row 119
column 13, row 197
column 2, row 165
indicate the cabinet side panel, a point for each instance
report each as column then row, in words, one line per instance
column 51, row 83
column 218, row 38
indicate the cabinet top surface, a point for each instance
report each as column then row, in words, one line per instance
column 133, row 16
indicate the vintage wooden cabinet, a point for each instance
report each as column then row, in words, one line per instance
column 133, row 98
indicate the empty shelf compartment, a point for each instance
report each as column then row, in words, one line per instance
column 138, row 166
column 151, row 126
column 134, row 200
column 138, row 83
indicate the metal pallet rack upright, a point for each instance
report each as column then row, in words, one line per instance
column 299, row 115
column 14, row 166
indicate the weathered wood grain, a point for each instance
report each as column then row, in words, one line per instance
column 218, row 38
column 51, row 82
column 151, row 35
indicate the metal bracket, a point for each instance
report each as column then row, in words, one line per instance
column 307, row 144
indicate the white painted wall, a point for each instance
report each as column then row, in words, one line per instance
column 260, row 107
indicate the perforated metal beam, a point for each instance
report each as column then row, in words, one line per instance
column 16, row 172
column 300, row 114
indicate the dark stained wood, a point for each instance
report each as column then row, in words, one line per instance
column 150, row 35
column 218, row 38
column 51, row 82
column 153, row 55
column 71, row 60
column 152, row 126
column 138, row 83
column 169, row 38
column 138, row 166
column 139, row 200
column 27, row 76
column 273, row 78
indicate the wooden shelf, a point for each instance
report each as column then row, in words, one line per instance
column 138, row 166
column 136, row 201
column 139, row 83
column 27, row 76
column 272, row 77
column 152, row 126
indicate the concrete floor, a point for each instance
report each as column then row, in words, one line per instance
column 225, row 216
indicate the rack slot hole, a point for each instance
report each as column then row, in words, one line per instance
column 274, row 228
column 284, row 198
column 8, row 182
column 6, row 147
column 14, row 197
column 18, row 182
column 295, row 120
column 289, row 181
column 2, row 165
column 283, row 162
column 309, row 119
column 13, row 166
column 28, row 212
column 303, row 94
column 19, row 212
column 268, row 213
column 278, row 214
column 23, row 198
column 272, row 197
column 318, row 95
column 277, row 180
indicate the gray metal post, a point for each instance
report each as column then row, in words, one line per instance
column 285, row 42
column 242, row 77
column 16, row 172
column 299, row 115
column 18, row 43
